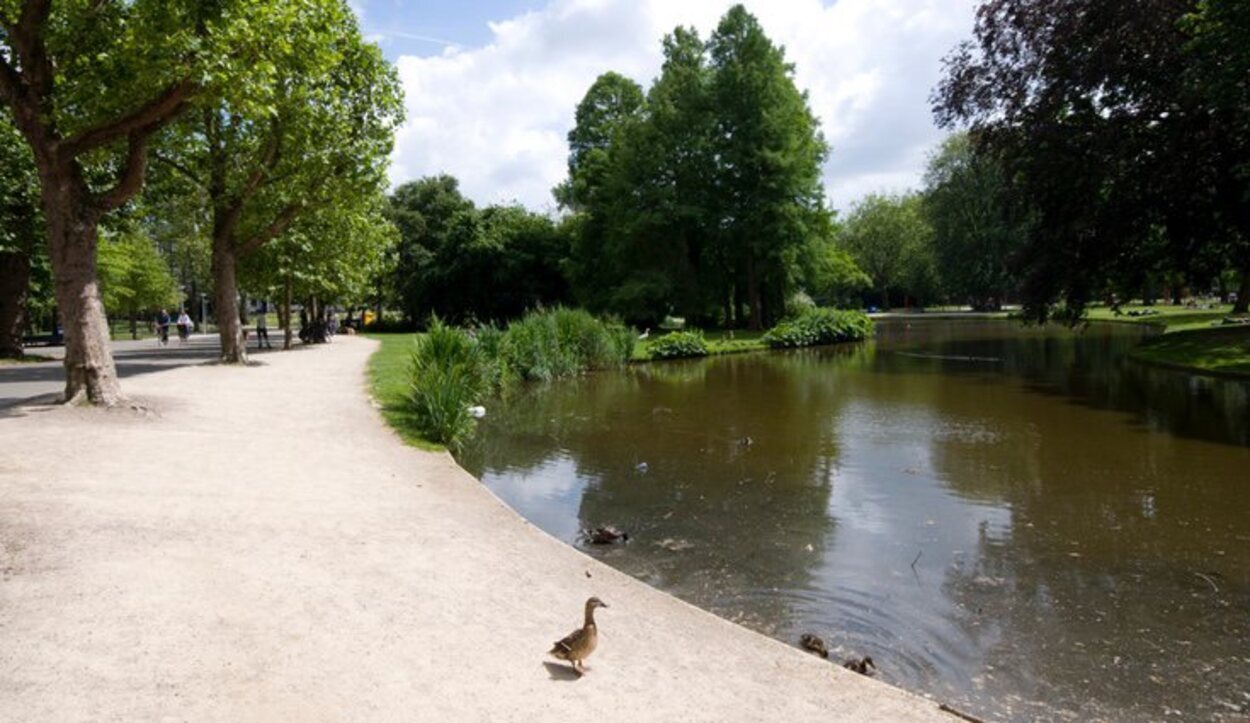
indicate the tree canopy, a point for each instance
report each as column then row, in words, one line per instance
column 1119, row 124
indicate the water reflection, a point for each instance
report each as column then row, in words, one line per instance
column 1003, row 517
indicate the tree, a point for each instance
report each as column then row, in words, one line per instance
column 90, row 147
column 702, row 199
column 332, row 254
column 134, row 277
column 978, row 229
column 21, row 234
column 1126, row 161
column 318, row 133
column 1221, row 51
column 465, row 264
column 889, row 238
column 770, row 152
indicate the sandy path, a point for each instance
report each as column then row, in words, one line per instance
column 264, row 548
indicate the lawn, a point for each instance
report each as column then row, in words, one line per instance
column 388, row 383
column 1192, row 338
column 1170, row 318
column 1223, row 350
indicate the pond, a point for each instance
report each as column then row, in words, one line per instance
column 1020, row 522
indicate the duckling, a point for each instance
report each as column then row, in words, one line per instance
column 863, row 666
column 814, row 644
column 606, row 535
column 579, row 644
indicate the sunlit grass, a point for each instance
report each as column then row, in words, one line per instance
column 388, row 382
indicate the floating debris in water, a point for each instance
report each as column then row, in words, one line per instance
column 672, row 545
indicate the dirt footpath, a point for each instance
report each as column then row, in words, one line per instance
column 260, row 546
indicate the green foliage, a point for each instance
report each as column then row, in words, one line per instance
column 1123, row 129
column 817, row 327
column 708, row 191
column 555, row 343
column 134, row 278
column 679, row 345
column 466, row 264
column 977, row 228
column 447, row 375
column 889, row 237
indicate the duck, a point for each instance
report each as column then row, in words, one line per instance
column 606, row 535
column 814, row 644
column 645, row 335
column 579, row 644
column 863, row 666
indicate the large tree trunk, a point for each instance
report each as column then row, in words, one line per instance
column 14, row 281
column 226, row 301
column 1243, row 294
column 90, row 375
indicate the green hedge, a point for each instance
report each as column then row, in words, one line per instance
column 815, row 327
column 679, row 345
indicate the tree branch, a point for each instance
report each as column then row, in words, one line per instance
column 142, row 121
column 186, row 172
column 274, row 230
column 131, row 179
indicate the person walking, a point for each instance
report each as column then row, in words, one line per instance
column 162, row 328
column 184, row 326
column 262, row 328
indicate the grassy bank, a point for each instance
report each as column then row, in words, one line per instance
column 1192, row 340
column 1166, row 317
column 1223, row 351
column 388, row 384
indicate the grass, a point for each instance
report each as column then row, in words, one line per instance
column 1170, row 318
column 1222, row 351
column 388, row 383
column 1192, row 339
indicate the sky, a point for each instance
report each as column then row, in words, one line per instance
column 491, row 85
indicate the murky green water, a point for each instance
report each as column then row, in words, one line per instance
column 1079, row 524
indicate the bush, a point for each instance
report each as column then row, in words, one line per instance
column 562, row 342
column 679, row 345
column 447, row 375
column 815, row 327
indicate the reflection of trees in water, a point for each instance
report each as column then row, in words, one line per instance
column 718, row 521
column 1089, row 366
column 1125, row 573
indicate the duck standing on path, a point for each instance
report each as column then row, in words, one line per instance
column 579, row 644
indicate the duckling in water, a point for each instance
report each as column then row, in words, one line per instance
column 814, row 644
column 579, row 644
column 606, row 535
column 863, row 666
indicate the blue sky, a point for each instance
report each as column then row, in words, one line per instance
column 491, row 85
column 425, row 27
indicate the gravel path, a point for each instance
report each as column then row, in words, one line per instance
column 257, row 545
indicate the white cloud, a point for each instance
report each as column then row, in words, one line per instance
column 496, row 116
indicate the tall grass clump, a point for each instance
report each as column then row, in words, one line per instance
column 447, row 374
column 555, row 343
column 816, row 327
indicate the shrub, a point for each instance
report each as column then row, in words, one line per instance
column 549, row 344
column 815, row 327
column 679, row 345
column 447, row 375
